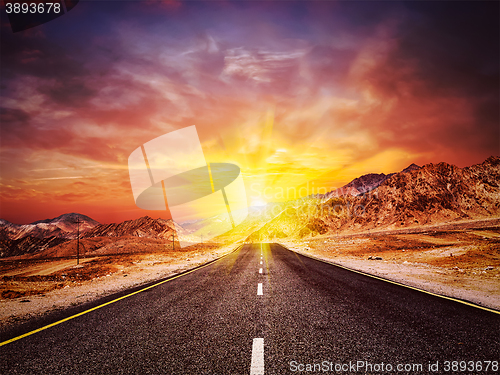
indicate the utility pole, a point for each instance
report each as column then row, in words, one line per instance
column 78, row 241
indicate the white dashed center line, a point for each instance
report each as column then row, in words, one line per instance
column 257, row 366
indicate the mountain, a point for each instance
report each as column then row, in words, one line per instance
column 64, row 226
column 364, row 184
column 411, row 167
column 26, row 245
column 434, row 193
column 18, row 239
column 43, row 234
column 297, row 219
column 415, row 196
column 70, row 220
column 142, row 227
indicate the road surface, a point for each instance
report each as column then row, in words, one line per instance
column 263, row 309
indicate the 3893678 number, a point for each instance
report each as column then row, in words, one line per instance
column 458, row 366
column 32, row 7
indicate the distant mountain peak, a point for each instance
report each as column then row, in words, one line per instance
column 69, row 218
column 411, row 167
column 144, row 226
column 434, row 193
column 20, row 239
column 493, row 160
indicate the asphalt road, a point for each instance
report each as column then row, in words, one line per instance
column 310, row 312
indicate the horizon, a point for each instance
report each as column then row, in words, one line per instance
column 295, row 94
column 148, row 213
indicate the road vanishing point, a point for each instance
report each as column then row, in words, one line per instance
column 261, row 309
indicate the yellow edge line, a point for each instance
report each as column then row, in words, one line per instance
column 400, row 284
column 110, row 302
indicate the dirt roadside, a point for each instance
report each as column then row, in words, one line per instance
column 459, row 263
column 24, row 297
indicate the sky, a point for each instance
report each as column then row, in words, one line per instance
column 296, row 94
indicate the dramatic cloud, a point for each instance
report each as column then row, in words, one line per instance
column 292, row 92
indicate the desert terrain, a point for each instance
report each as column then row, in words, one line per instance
column 32, row 286
column 460, row 260
column 435, row 227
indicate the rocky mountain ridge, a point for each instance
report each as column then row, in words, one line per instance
column 17, row 239
column 142, row 227
column 416, row 196
column 64, row 226
column 435, row 193
column 43, row 234
column 364, row 184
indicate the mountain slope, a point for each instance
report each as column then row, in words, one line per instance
column 64, row 226
column 415, row 196
column 142, row 227
column 364, row 184
column 434, row 193
column 18, row 239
